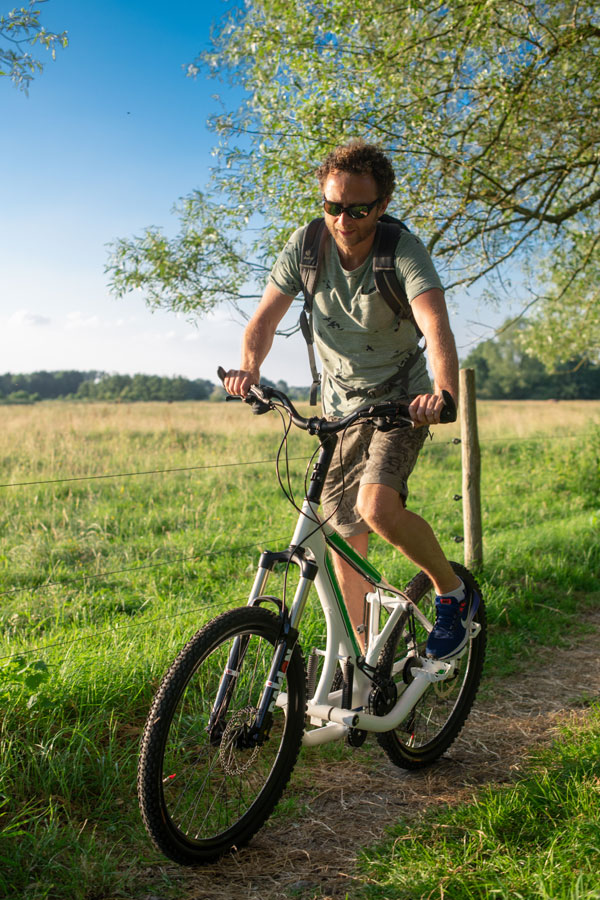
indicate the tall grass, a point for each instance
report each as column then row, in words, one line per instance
column 104, row 579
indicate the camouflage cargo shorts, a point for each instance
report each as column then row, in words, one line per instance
column 368, row 456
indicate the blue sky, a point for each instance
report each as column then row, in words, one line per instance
column 111, row 135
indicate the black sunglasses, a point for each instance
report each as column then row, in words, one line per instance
column 355, row 211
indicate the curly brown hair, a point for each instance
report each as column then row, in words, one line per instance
column 360, row 158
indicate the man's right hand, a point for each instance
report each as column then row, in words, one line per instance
column 238, row 382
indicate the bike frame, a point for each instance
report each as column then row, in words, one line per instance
column 332, row 713
column 309, row 548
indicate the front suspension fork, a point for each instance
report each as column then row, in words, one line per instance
column 284, row 647
column 259, row 730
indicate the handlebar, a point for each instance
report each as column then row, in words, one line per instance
column 384, row 416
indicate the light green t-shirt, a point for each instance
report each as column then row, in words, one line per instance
column 360, row 341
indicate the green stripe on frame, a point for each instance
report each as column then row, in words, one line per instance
column 338, row 542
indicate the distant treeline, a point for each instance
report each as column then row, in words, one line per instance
column 73, row 385
column 503, row 372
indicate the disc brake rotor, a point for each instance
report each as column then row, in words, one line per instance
column 234, row 758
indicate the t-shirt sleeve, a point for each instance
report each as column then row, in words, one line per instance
column 414, row 267
column 285, row 274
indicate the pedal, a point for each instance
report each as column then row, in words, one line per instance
column 356, row 737
column 433, row 670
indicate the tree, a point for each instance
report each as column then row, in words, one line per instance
column 134, row 388
column 505, row 371
column 567, row 321
column 20, row 29
column 487, row 107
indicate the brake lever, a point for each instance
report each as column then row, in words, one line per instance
column 258, row 407
column 386, row 423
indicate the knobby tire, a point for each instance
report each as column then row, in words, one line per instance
column 202, row 792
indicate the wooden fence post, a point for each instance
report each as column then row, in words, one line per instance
column 471, row 471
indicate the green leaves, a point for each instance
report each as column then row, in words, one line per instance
column 459, row 95
column 566, row 322
column 518, row 364
column 20, row 28
column 27, row 675
column 488, row 111
column 203, row 266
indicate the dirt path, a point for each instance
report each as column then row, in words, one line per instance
column 313, row 856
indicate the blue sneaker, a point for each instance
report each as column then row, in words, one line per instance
column 452, row 622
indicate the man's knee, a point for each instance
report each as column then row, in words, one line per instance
column 377, row 504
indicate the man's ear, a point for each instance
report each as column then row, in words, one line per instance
column 383, row 206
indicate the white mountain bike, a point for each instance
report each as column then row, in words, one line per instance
column 226, row 726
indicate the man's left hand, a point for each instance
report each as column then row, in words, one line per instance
column 426, row 409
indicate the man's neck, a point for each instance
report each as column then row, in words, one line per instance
column 353, row 257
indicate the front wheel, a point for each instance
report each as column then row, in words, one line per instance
column 436, row 720
column 203, row 787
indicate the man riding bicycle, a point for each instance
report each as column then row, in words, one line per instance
column 369, row 353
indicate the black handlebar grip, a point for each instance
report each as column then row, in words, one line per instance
column 449, row 412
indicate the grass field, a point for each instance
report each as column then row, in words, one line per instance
column 125, row 527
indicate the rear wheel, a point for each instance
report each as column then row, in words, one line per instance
column 436, row 720
column 203, row 787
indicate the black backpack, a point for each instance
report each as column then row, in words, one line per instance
column 386, row 281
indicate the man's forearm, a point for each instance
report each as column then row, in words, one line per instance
column 443, row 359
column 431, row 315
column 260, row 330
column 256, row 343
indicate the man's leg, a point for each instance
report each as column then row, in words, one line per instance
column 379, row 507
column 382, row 508
column 354, row 587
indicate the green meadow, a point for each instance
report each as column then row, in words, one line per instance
column 125, row 527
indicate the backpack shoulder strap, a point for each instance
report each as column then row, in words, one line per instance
column 384, row 264
column 313, row 244
column 384, row 267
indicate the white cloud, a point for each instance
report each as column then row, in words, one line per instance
column 24, row 317
column 78, row 320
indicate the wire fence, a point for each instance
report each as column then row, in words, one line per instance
column 65, row 479
column 208, row 553
column 116, row 629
